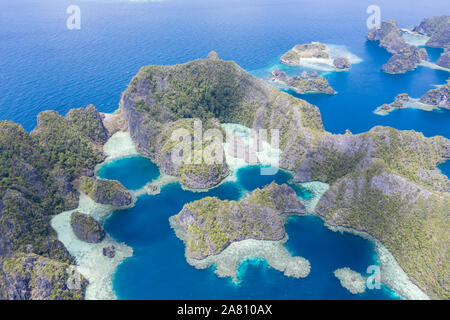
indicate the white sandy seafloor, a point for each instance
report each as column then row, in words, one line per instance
column 318, row 64
column 414, row 38
column 91, row 263
column 268, row 156
column 120, row 145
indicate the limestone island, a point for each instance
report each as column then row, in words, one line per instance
column 305, row 83
column 432, row 100
column 437, row 29
column 314, row 52
column 351, row 280
column 406, row 57
column 382, row 183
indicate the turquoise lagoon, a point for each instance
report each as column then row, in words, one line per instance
column 158, row 269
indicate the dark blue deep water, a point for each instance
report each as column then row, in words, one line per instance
column 43, row 65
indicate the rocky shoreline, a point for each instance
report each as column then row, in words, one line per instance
column 228, row 261
column 351, row 280
column 432, row 100
column 306, row 83
column 315, row 52
column 404, row 44
column 405, row 57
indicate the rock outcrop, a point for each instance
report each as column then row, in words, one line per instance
column 444, row 59
column 33, row 277
column 405, row 60
column 405, row 57
column 37, row 171
column 433, row 99
column 86, row 228
column 109, row 251
column 104, row 191
column 437, row 28
column 160, row 99
column 210, row 225
column 439, row 97
column 303, row 84
column 341, row 63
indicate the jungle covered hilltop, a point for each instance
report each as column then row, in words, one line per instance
column 383, row 181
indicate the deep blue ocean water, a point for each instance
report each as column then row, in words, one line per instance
column 158, row 269
column 43, row 65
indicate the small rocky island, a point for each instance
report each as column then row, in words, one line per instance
column 109, row 192
column 433, row 99
column 209, row 225
column 351, row 280
column 314, row 51
column 86, row 228
column 439, row 97
column 405, row 57
column 306, row 83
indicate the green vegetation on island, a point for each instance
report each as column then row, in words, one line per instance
column 36, row 174
column 86, row 228
column 210, row 224
column 104, row 191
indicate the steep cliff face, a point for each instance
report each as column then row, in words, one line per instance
column 109, row 192
column 33, row 277
column 382, row 183
column 158, row 98
column 210, row 225
column 335, row 156
column 438, row 97
column 405, row 57
column 412, row 221
column 36, row 172
column 444, row 59
column 437, row 28
column 86, row 228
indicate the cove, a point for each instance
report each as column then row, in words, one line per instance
column 158, row 269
